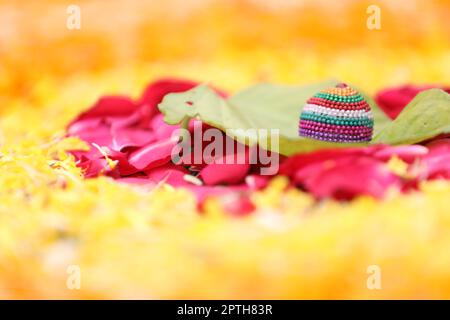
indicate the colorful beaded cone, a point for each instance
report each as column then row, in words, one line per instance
column 337, row 114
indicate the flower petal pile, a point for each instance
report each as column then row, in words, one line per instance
column 130, row 133
column 345, row 173
column 132, row 143
column 129, row 141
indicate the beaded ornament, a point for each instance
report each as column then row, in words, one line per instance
column 338, row 114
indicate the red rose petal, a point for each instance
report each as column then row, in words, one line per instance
column 237, row 204
column 93, row 167
column 155, row 92
column 154, row 154
column 407, row 153
column 346, row 179
column 294, row 163
column 224, row 173
column 125, row 138
column 204, row 192
column 82, row 125
column 171, row 174
column 100, row 136
column 256, row 182
column 161, row 129
column 226, row 169
column 437, row 161
column 123, row 167
column 109, row 106
column 393, row 100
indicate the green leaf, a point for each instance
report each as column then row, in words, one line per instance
column 425, row 117
column 263, row 106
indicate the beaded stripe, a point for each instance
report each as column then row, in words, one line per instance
column 338, row 98
column 335, row 120
column 333, row 137
column 334, row 128
column 340, row 91
column 362, row 105
column 335, row 112
column 337, row 137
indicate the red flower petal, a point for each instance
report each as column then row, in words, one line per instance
column 407, row 153
column 226, row 169
column 224, row 173
column 129, row 137
column 440, row 145
column 204, row 192
column 156, row 91
column 294, row 163
column 101, row 135
column 93, row 167
column 393, row 100
column 437, row 162
column 237, row 204
column 161, row 129
column 109, row 106
column 351, row 177
column 256, row 182
column 127, row 121
column 82, row 125
column 171, row 174
column 123, row 167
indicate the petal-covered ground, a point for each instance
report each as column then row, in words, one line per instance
column 283, row 237
column 130, row 141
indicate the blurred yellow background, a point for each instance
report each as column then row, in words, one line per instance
column 229, row 42
column 124, row 44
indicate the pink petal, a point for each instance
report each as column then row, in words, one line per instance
column 226, row 170
column 205, row 192
column 439, row 145
column 437, row 162
column 393, row 100
column 237, row 204
column 129, row 137
column 438, row 167
column 92, row 153
column 140, row 118
column 123, row 167
column 93, row 167
column 156, row 91
column 161, row 129
column 234, row 199
column 291, row 165
column 256, row 182
column 224, row 173
column 141, row 180
column 100, row 135
column 171, row 174
column 109, row 106
column 82, row 125
column 407, row 153
column 355, row 176
column 124, row 122
column 153, row 154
